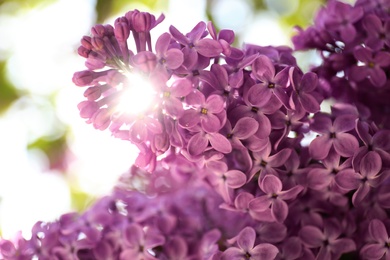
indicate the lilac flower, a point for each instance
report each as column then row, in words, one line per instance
column 243, row 129
column 372, row 68
column 274, row 197
column 379, row 247
column 378, row 33
column 369, row 175
column 205, row 112
column 328, row 240
column 303, row 85
column 246, row 247
column 169, row 58
column 264, row 163
column 195, row 41
column 333, row 135
column 342, row 18
column 269, row 82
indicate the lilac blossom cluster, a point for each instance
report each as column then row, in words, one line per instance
column 225, row 170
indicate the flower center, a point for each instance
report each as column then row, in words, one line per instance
column 271, row 85
column 203, row 111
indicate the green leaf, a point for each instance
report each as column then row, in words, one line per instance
column 80, row 200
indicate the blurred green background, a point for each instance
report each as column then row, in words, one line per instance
column 52, row 162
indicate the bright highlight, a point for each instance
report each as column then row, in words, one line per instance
column 138, row 96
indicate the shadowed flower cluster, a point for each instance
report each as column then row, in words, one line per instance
column 226, row 168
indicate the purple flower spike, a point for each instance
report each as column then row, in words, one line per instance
column 380, row 248
column 247, row 250
column 274, row 197
column 372, row 68
column 333, row 135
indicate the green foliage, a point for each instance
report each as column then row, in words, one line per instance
column 54, row 149
column 29, row 4
column 8, row 93
column 80, row 200
column 107, row 8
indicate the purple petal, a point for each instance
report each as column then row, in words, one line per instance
column 348, row 179
column 371, row 164
column 210, row 123
column 279, row 158
column 153, row 239
column 260, row 204
column 235, row 179
column 197, row 144
column 258, row 95
column 208, row 47
column 189, row 119
column 378, row 231
column 363, row 54
column 232, row 253
column 279, row 210
column 162, row 43
column 382, row 59
column 271, row 185
column 321, row 124
column 134, row 235
column 263, row 69
column 345, row 144
column 377, row 77
column 214, row 104
column 309, row 82
column 264, row 251
column 358, row 73
column 348, row 33
column 344, row 123
column 264, row 129
column 362, row 130
column 220, row 143
column 282, row 96
column 245, row 127
column 309, row 103
column 381, row 139
column 320, row 146
column 292, row 247
column 181, row 88
column 311, row 236
column 174, row 58
column 373, row 251
column 343, row 245
column 242, row 200
column 246, row 239
column 291, row 193
column 360, row 193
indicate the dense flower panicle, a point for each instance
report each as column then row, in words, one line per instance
column 226, row 169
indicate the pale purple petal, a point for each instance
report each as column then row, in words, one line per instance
column 210, row 123
column 246, row 239
column 134, row 235
column 189, row 119
column 309, row 82
column 260, row 203
column 174, row 58
column 309, row 103
column 214, row 104
column 311, row 236
column 263, row 68
column 291, row 193
column 271, row 184
column 279, row 158
column 344, row 123
column 279, row 210
column 232, row 253
column 197, row 144
column 363, row 54
column 208, row 47
column 264, row 251
column 245, row 127
column 220, row 143
column 343, row 245
column 235, row 179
